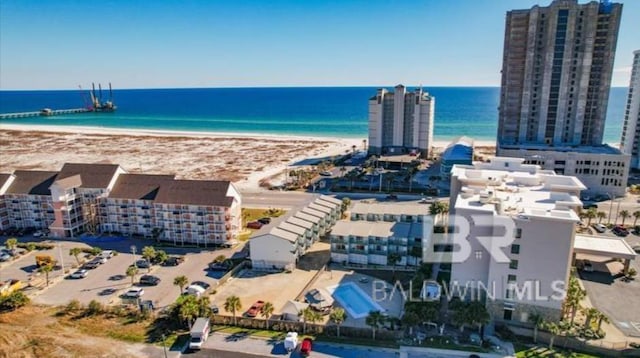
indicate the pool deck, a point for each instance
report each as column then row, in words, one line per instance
column 392, row 303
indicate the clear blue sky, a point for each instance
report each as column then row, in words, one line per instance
column 140, row 44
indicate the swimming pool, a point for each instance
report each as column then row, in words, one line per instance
column 354, row 300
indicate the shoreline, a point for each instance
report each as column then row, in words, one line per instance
column 111, row 131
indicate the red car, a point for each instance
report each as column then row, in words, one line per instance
column 254, row 225
column 255, row 309
column 305, row 347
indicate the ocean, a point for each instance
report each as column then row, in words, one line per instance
column 303, row 111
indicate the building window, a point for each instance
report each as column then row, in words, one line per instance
column 515, row 249
column 513, row 264
column 507, row 315
column 518, row 233
column 511, row 278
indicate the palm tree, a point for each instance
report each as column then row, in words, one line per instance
column 602, row 318
column 590, row 214
column 636, row 216
column 46, row 269
column 477, row 314
column 189, row 309
column 11, row 243
column 461, row 317
column 601, row 215
column 267, row 311
column 149, row 253
column 411, row 171
column 624, row 214
column 590, row 313
column 392, row 259
column 181, row 281
column 554, row 330
column 342, row 171
column 537, row 321
column 308, row 315
column 364, row 144
column 161, row 256
column 232, row 304
column 75, row 251
column 410, row 319
column 374, row 319
column 353, row 148
column 132, row 271
column 337, row 316
column 575, row 294
column 204, row 306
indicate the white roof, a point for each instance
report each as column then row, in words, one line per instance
column 307, row 217
column 391, row 209
column 294, row 307
column 280, row 233
column 327, row 204
column 382, row 229
column 311, row 211
column 300, row 222
column 320, row 208
column 331, row 199
column 293, row 228
column 603, row 246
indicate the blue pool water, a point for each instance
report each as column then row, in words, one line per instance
column 355, row 301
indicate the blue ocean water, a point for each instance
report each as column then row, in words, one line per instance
column 307, row 111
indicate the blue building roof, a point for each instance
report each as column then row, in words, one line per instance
column 462, row 149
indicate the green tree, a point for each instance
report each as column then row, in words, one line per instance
column 346, row 202
column 11, row 243
column 75, row 251
column 537, row 321
column 337, row 316
column 590, row 313
column 308, row 315
column 477, row 314
column 189, row 309
column 219, row 259
column 267, row 311
column 204, row 306
column 636, row 216
column 132, row 271
column 14, row 301
column 410, row 319
column 161, row 256
column 624, row 214
column 149, row 253
column 411, row 171
column 392, row 259
column 95, row 251
column 460, row 317
column 602, row 318
column 575, row 295
column 374, row 320
column 554, row 329
column 46, row 269
column 93, row 308
column 232, row 304
column 601, row 215
column 590, row 215
column 181, row 281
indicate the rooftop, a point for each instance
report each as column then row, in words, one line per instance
column 300, row 222
column 381, row 229
column 598, row 245
column 599, row 149
column 93, row 175
column 459, row 149
column 33, row 182
column 292, row 228
column 307, row 217
column 195, row 192
column 392, row 209
column 138, row 186
column 505, row 186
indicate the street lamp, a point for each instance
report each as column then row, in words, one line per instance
column 164, row 346
column 133, row 251
column 610, row 207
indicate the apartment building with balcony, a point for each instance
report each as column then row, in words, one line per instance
column 5, row 182
column 376, row 231
column 529, row 215
column 630, row 140
column 28, row 199
column 75, row 196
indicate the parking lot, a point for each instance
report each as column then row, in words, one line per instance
column 61, row 290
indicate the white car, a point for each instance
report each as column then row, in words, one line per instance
column 38, row 234
column 107, row 254
column 80, row 274
column 600, row 228
column 135, row 292
column 4, row 257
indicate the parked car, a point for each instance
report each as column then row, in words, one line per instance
column 201, row 284
column 325, row 174
column 215, row 309
column 587, row 266
column 306, row 347
column 80, row 274
column 255, row 309
column 149, row 280
column 620, row 230
column 91, row 265
column 99, row 260
column 173, row 261
column 107, row 292
column 38, row 234
column 135, row 292
column 637, row 249
column 220, row 266
column 264, row 221
column 4, row 256
column 254, row 225
column 117, row 277
column 600, row 228
column 143, row 264
column 107, row 254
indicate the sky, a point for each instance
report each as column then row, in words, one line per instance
column 169, row 44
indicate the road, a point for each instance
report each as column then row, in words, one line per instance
column 276, row 199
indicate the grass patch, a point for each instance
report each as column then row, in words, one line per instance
column 263, row 333
column 523, row 351
column 447, row 343
column 250, row 214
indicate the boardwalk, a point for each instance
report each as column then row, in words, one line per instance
column 56, row 112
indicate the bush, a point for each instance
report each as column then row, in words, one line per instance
column 30, row 246
column 94, row 308
column 13, row 301
column 72, row 306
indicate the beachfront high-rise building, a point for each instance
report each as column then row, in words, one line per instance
column 401, row 121
column 630, row 141
column 556, row 76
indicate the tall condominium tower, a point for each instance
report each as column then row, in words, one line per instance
column 630, row 142
column 556, row 76
column 556, row 73
column 401, row 121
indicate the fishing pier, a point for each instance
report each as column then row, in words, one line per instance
column 44, row 113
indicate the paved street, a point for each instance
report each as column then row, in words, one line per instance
column 276, row 199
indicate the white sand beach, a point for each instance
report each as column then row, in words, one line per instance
column 243, row 158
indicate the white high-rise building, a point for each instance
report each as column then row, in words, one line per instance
column 630, row 141
column 401, row 121
column 542, row 207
